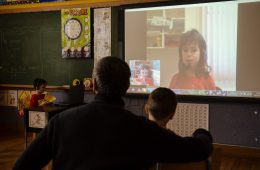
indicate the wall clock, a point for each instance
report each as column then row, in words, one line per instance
column 73, row 28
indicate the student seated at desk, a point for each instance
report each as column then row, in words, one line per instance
column 40, row 98
column 160, row 108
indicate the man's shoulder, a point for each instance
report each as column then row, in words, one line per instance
column 94, row 107
column 75, row 109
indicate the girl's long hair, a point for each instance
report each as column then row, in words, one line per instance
column 203, row 69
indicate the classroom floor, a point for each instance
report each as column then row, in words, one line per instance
column 12, row 145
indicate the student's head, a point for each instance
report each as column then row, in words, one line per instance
column 39, row 85
column 193, row 53
column 145, row 71
column 161, row 105
column 111, row 77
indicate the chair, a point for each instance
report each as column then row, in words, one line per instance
column 202, row 165
column 212, row 164
column 216, row 159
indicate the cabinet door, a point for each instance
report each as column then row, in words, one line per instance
column 164, row 27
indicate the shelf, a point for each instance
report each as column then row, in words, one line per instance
column 164, row 29
column 30, row 87
column 54, row 6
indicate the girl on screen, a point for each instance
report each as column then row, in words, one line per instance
column 194, row 72
column 145, row 75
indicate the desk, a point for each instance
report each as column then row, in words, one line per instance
column 36, row 119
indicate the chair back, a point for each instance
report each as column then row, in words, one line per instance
column 213, row 163
column 202, row 165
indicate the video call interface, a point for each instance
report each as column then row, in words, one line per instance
column 208, row 49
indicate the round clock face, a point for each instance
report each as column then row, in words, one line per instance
column 73, row 28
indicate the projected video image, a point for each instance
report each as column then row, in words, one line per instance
column 145, row 73
column 201, row 48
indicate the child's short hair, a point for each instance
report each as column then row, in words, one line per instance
column 38, row 82
column 162, row 103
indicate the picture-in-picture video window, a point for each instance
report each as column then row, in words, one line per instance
column 195, row 49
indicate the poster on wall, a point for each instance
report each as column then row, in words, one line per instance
column 102, row 33
column 23, row 99
column 12, row 98
column 75, row 33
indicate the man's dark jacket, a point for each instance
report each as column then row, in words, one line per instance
column 103, row 135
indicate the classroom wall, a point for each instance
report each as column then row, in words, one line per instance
column 30, row 47
column 232, row 123
column 229, row 122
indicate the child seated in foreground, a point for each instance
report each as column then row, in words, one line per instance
column 161, row 106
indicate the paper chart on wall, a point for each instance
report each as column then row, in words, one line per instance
column 75, row 33
column 102, row 33
column 189, row 117
column 37, row 119
column 12, row 98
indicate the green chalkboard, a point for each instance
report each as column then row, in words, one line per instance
column 30, row 47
